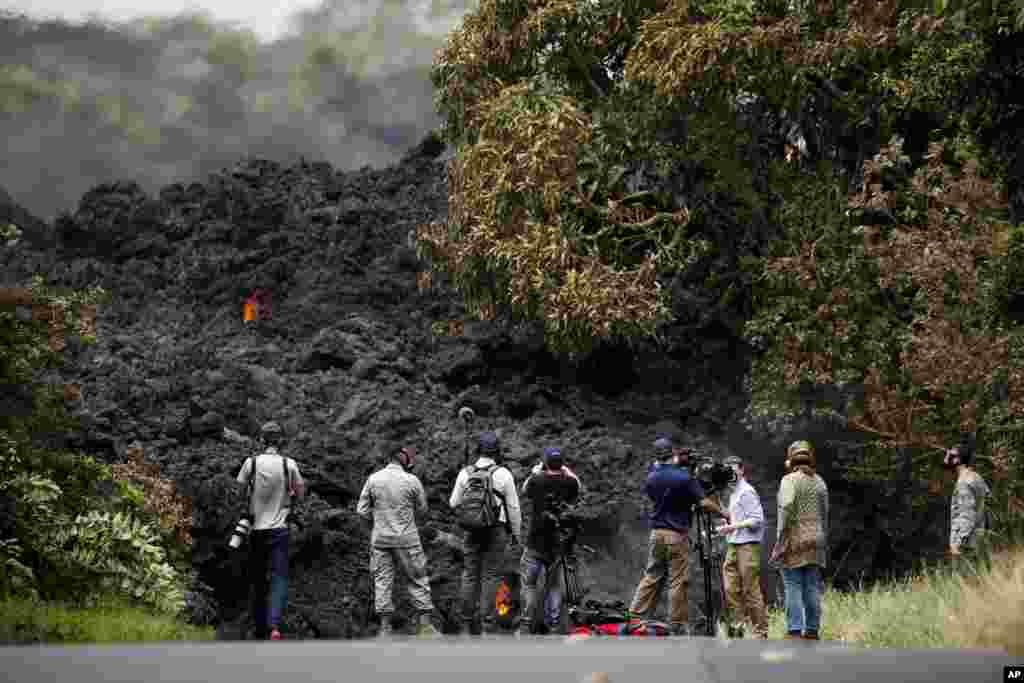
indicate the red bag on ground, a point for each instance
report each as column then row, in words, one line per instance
column 633, row 627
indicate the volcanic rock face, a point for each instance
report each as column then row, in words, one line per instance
column 351, row 362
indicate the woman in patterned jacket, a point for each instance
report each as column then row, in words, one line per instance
column 801, row 546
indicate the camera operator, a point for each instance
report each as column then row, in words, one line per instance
column 548, row 491
column 674, row 493
column 742, row 568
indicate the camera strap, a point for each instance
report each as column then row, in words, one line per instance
column 287, row 485
column 249, row 486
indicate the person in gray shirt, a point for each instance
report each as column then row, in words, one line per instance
column 273, row 481
column 391, row 498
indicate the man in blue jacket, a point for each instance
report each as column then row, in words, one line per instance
column 674, row 493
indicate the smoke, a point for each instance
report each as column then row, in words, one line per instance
column 174, row 99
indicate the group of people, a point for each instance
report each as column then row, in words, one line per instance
column 487, row 505
column 486, row 502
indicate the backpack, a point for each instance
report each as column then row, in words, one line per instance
column 477, row 509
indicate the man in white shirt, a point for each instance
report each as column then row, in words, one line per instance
column 484, row 549
column 742, row 568
column 273, row 481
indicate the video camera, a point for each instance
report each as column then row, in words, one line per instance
column 713, row 475
column 567, row 522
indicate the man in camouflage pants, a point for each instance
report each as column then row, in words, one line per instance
column 391, row 498
column 967, row 510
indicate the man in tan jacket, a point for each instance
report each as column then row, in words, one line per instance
column 391, row 498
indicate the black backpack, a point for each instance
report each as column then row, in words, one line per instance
column 477, row 510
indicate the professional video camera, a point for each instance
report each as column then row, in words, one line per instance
column 713, row 475
column 567, row 522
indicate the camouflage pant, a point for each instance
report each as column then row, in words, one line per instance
column 413, row 563
column 741, row 573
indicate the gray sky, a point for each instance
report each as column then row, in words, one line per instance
column 268, row 19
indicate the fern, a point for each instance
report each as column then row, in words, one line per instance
column 117, row 554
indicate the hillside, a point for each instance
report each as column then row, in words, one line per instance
column 356, row 356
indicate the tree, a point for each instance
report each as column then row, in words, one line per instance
column 61, row 538
column 828, row 180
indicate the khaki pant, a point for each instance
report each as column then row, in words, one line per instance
column 741, row 573
column 667, row 557
column 413, row 563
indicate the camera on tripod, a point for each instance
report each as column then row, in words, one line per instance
column 566, row 522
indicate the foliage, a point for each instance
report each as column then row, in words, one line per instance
column 934, row 608
column 561, row 112
column 913, row 313
column 81, row 529
column 31, row 621
column 21, row 87
column 102, row 553
column 832, row 180
column 158, row 495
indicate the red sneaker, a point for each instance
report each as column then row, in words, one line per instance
column 275, row 635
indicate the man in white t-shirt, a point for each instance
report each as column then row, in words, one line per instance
column 272, row 481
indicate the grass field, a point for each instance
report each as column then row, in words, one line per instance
column 23, row 621
column 934, row 609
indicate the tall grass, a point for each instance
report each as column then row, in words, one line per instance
column 936, row 608
column 25, row 621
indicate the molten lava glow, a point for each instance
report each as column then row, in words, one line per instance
column 503, row 598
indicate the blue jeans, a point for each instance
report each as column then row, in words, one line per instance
column 803, row 598
column 268, row 551
column 533, row 570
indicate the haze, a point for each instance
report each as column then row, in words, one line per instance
column 183, row 89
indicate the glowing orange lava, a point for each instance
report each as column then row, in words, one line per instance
column 503, row 598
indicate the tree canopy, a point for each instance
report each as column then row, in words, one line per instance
column 837, row 183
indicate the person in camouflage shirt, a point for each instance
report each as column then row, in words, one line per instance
column 801, row 546
column 967, row 508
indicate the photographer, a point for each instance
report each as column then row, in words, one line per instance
column 547, row 492
column 742, row 568
column 674, row 493
column 272, row 482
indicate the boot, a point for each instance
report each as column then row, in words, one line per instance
column 426, row 629
column 793, row 635
column 469, row 627
column 735, row 632
column 811, row 635
column 385, row 627
column 525, row 628
column 680, row 630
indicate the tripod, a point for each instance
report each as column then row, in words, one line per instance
column 567, row 563
column 711, row 559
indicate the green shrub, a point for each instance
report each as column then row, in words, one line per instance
column 113, row 553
